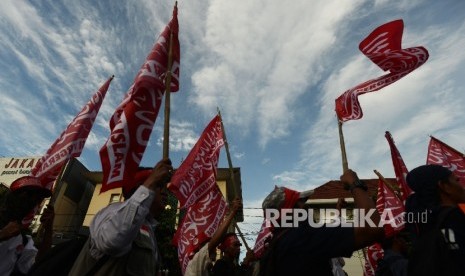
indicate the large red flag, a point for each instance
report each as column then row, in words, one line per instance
column 391, row 208
column 199, row 224
column 399, row 168
column 197, row 174
column 194, row 184
column 442, row 154
column 71, row 141
column 383, row 47
column 133, row 120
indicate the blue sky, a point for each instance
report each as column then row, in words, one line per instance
column 273, row 67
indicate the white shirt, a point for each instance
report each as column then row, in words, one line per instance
column 200, row 263
column 14, row 253
column 115, row 227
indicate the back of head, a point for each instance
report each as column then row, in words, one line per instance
column 284, row 198
column 424, row 181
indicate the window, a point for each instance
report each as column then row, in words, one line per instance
column 115, row 198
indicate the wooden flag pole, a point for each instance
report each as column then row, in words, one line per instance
column 166, row 130
column 345, row 164
column 226, row 146
column 233, row 180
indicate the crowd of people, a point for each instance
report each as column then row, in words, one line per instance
column 122, row 237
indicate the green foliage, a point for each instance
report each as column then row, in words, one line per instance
column 164, row 234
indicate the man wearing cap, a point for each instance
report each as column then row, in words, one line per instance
column 122, row 234
column 307, row 250
column 438, row 194
column 17, row 250
column 202, row 261
column 227, row 265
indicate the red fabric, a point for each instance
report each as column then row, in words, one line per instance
column 462, row 207
column 442, row 154
column 197, row 174
column 139, row 178
column 383, row 47
column 133, row 120
column 291, row 197
column 399, row 168
column 199, row 224
column 264, row 234
column 26, row 181
column 373, row 254
column 387, row 199
column 194, row 184
column 71, row 141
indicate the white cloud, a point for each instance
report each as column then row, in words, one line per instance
column 182, row 136
column 259, row 66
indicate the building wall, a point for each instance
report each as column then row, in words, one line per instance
column 223, row 188
column 71, row 197
column 12, row 168
column 100, row 200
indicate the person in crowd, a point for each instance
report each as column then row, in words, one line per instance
column 122, row 240
column 228, row 264
column 437, row 196
column 17, row 250
column 202, row 261
column 308, row 249
column 338, row 263
column 395, row 259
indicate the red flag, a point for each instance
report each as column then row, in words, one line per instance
column 197, row 174
column 399, row 168
column 383, row 47
column 201, row 221
column 71, row 141
column 133, row 120
column 387, row 200
column 442, row 154
column 373, row 254
column 262, row 237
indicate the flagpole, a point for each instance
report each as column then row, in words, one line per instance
column 166, row 131
column 345, row 165
column 233, row 180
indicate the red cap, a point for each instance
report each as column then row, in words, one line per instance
column 139, row 178
column 29, row 182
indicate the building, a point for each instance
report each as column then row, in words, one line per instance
column 100, row 200
column 12, row 168
column 77, row 197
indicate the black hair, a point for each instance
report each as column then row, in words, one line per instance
column 424, row 181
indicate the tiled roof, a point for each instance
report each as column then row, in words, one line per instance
column 335, row 189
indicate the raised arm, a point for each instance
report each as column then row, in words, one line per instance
column 115, row 227
column 221, row 231
column 367, row 234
